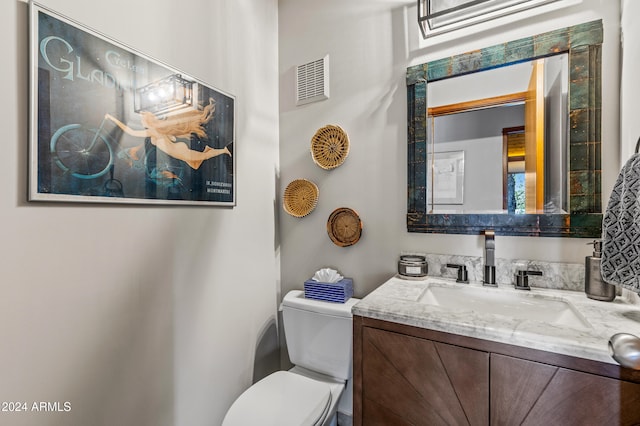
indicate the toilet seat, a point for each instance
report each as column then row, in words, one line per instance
column 281, row 399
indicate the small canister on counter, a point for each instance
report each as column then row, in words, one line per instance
column 412, row 265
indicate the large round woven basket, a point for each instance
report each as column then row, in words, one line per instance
column 329, row 147
column 300, row 197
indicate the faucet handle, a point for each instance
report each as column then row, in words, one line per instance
column 522, row 278
column 462, row 272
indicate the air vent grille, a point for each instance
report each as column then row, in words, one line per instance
column 312, row 81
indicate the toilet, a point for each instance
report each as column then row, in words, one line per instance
column 319, row 341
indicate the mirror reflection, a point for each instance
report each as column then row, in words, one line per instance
column 498, row 140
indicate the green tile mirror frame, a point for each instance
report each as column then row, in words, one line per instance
column 583, row 43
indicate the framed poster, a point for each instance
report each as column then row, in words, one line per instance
column 108, row 124
column 447, row 177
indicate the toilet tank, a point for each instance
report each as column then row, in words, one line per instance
column 319, row 334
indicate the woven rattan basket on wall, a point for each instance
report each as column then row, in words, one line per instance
column 300, row 197
column 329, row 147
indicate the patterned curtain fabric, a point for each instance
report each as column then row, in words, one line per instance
column 621, row 229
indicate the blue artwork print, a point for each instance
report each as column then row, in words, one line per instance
column 110, row 125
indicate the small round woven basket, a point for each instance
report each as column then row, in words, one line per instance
column 329, row 147
column 344, row 227
column 300, row 197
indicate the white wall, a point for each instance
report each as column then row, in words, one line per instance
column 630, row 83
column 142, row 315
column 371, row 43
column 481, row 85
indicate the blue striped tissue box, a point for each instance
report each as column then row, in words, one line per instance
column 338, row 292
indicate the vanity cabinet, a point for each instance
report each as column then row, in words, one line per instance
column 406, row 375
column 408, row 380
column 527, row 392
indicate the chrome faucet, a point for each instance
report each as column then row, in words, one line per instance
column 521, row 279
column 463, row 274
column 489, row 278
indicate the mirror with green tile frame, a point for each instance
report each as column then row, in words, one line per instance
column 583, row 214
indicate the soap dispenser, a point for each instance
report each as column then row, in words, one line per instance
column 594, row 286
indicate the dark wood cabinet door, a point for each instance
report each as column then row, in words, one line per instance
column 531, row 393
column 413, row 381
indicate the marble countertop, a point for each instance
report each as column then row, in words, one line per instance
column 399, row 300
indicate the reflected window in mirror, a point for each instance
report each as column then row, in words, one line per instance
column 513, row 156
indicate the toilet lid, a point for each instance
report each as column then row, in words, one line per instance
column 281, row 399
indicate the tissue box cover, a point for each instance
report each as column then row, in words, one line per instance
column 338, row 292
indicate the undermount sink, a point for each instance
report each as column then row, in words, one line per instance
column 523, row 305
